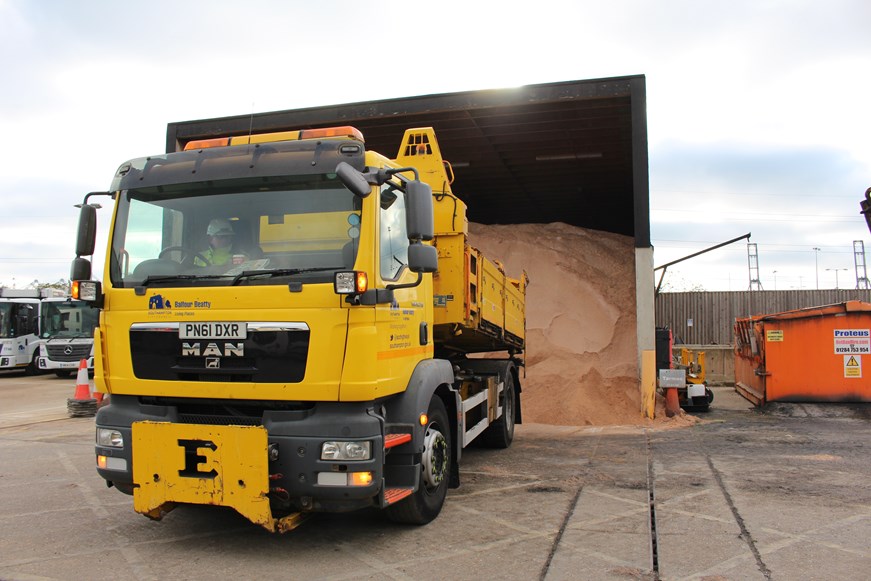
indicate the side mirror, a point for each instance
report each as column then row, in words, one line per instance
column 422, row 258
column 419, row 211
column 86, row 238
column 80, row 269
column 353, row 180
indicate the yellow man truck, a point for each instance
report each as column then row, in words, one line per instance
column 329, row 361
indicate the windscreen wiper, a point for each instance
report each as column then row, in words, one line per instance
column 281, row 272
column 167, row 277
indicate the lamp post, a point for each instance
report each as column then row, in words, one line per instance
column 836, row 275
column 817, row 264
column 775, row 279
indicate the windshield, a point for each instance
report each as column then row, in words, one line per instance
column 251, row 231
column 6, row 320
column 68, row 319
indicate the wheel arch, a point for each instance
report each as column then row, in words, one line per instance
column 430, row 377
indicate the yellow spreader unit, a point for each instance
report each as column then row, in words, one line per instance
column 200, row 464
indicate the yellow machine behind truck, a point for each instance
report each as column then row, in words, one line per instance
column 325, row 364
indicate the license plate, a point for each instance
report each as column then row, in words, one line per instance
column 190, row 330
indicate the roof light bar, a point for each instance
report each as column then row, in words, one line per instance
column 345, row 131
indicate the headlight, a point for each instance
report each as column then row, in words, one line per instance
column 109, row 438
column 346, row 450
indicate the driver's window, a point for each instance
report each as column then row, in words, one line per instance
column 146, row 230
column 394, row 240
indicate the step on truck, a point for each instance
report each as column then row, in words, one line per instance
column 292, row 323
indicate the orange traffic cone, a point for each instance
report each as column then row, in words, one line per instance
column 672, row 402
column 82, row 404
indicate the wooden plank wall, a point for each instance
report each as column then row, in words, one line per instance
column 706, row 318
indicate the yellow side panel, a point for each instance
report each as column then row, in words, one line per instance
column 492, row 294
column 99, row 362
column 186, row 463
column 449, row 283
column 358, row 371
column 515, row 306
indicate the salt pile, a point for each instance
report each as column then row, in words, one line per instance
column 580, row 313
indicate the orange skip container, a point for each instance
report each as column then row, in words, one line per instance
column 808, row 355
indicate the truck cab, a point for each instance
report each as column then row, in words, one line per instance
column 67, row 333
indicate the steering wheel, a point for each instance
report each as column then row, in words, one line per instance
column 187, row 255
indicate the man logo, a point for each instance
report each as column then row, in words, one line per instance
column 213, row 362
column 212, row 349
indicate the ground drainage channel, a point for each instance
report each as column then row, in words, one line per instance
column 654, row 557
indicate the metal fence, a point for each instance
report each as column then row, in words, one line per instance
column 706, row 318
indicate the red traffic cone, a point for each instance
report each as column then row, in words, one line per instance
column 83, row 390
column 672, row 402
column 82, row 404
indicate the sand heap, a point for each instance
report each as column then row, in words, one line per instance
column 580, row 314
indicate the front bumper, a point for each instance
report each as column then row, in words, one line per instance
column 276, row 463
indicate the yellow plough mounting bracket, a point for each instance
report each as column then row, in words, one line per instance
column 200, row 464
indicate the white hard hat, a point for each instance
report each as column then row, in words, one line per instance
column 219, row 227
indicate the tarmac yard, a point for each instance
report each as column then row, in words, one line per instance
column 777, row 494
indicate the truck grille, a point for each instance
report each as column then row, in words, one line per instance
column 271, row 353
column 68, row 352
column 228, row 412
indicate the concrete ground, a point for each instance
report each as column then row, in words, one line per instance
column 777, row 494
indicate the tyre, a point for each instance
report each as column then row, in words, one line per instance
column 33, row 367
column 500, row 433
column 426, row 502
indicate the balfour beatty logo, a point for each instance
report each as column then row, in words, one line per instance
column 161, row 302
column 852, row 333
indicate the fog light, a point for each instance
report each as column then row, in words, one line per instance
column 346, row 450
column 109, row 438
column 360, row 478
column 344, row 478
column 110, row 463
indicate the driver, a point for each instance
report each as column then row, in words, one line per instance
column 221, row 238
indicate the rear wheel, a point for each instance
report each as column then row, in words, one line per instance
column 500, row 433
column 427, row 501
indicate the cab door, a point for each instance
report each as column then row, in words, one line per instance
column 24, row 319
column 404, row 338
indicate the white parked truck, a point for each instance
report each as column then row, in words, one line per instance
column 19, row 327
column 67, row 333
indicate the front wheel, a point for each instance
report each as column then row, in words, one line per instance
column 427, row 501
column 33, row 367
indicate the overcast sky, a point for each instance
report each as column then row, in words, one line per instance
column 759, row 115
